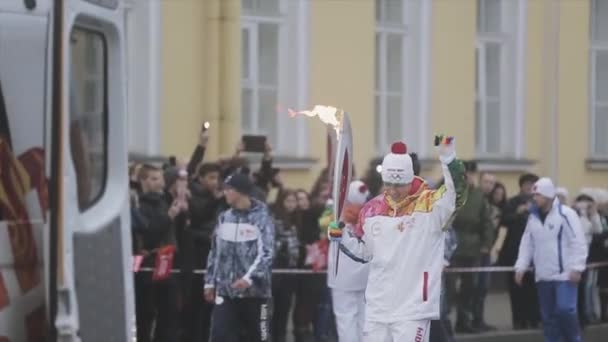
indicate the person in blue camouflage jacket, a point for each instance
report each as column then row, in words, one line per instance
column 239, row 266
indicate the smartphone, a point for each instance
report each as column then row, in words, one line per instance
column 205, row 126
column 254, row 143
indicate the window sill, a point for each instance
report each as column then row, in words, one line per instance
column 504, row 165
column 283, row 162
column 597, row 164
column 489, row 164
column 255, row 159
column 138, row 157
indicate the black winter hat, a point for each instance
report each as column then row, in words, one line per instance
column 240, row 182
column 172, row 174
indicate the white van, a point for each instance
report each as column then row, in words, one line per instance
column 65, row 245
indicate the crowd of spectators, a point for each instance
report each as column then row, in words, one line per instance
column 175, row 208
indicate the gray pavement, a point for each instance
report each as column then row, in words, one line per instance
column 498, row 314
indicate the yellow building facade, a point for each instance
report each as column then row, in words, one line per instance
column 520, row 84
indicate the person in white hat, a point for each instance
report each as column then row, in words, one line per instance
column 562, row 194
column 400, row 234
column 348, row 285
column 555, row 242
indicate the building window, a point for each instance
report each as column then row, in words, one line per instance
column 273, row 71
column 401, row 73
column 499, row 86
column 599, row 79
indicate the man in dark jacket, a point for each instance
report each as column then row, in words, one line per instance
column 475, row 234
column 239, row 266
column 156, row 299
column 524, row 300
column 205, row 204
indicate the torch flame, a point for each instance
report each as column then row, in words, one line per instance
column 327, row 114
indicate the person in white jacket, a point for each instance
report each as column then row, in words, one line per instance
column 555, row 242
column 400, row 234
column 349, row 280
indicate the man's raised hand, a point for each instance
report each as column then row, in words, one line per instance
column 445, row 145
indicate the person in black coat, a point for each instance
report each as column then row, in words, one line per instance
column 598, row 252
column 307, row 286
column 205, row 203
column 287, row 252
column 524, row 300
column 156, row 300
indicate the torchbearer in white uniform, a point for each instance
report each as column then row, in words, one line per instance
column 348, row 285
column 400, row 235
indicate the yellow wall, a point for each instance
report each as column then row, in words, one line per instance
column 201, row 80
column 534, row 81
column 574, row 88
column 342, row 71
column 453, row 70
column 183, row 78
column 201, row 75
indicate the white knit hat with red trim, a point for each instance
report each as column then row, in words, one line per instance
column 397, row 167
column 357, row 192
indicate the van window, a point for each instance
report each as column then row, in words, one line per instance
column 88, row 113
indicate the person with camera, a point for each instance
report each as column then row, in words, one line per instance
column 157, row 292
column 205, row 203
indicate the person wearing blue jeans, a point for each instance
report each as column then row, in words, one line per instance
column 554, row 240
column 558, row 301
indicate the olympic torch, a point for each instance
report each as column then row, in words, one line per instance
column 342, row 163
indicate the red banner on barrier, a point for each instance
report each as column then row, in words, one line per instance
column 164, row 263
column 137, row 260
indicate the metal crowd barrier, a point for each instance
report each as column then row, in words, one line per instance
column 488, row 269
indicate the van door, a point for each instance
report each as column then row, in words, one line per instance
column 94, row 284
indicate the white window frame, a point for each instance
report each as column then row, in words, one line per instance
column 512, row 98
column 597, row 46
column 293, row 74
column 415, row 74
column 143, row 50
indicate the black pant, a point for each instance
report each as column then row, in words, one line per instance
column 524, row 302
column 307, row 293
column 604, row 305
column 481, row 291
column 282, row 294
column 246, row 317
column 462, row 297
column 196, row 313
column 156, row 301
column 439, row 332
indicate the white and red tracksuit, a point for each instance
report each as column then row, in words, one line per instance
column 348, row 291
column 403, row 244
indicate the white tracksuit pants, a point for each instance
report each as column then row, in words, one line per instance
column 349, row 309
column 416, row 331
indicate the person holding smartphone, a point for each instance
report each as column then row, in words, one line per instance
column 156, row 299
column 205, row 204
column 199, row 151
